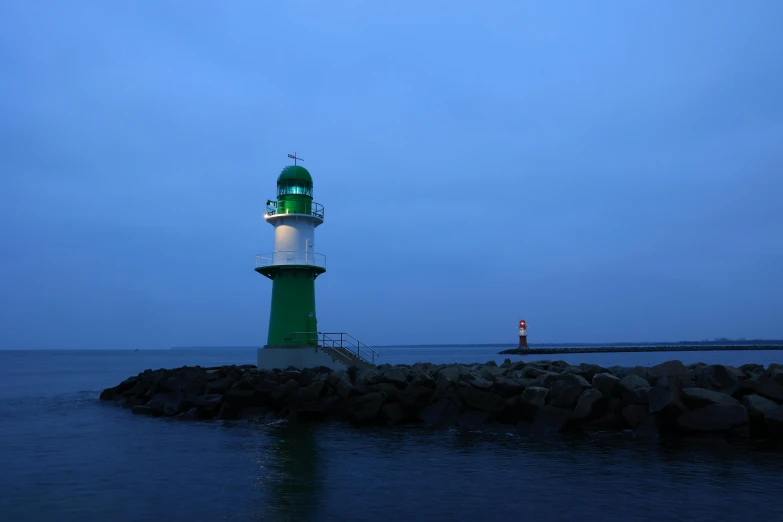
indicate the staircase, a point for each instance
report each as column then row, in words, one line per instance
column 340, row 346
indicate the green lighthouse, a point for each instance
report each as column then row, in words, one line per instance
column 294, row 338
column 294, row 265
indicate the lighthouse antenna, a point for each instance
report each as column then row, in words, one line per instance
column 293, row 157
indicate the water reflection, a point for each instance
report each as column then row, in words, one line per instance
column 291, row 475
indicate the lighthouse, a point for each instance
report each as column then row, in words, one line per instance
column 293, row 266
column 522, row 333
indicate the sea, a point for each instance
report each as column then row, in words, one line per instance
column 65, row 456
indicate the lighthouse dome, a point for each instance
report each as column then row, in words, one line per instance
column 295, row 173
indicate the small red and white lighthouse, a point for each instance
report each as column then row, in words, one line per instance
column 522, row 333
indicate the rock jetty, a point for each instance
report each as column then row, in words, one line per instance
column 537, row 398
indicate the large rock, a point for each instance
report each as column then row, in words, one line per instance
column 672, row 368
column 566, row 389
column 365, row 407
column 506, row 387
column 393, row 413
column 550, row 420
column 606, row 383
column 716, row 377
column 416, row 396
column 774, row 421
column 477, row 381
column 481, row 400
column 764, row 385
column 698, row 397
column 311, row 392
column 441, row 414
column 447, row 377
column 758, row 405
column 535, row 396
column 391, row 390
column 644, row 373
column 586, row 403
column 219, row 386
column 365, row 378
column 634, row 389
column 585, row 370
column 395, row 376
column 635, row 414
column 714, row 417
column 776, row 375
column 665, row 398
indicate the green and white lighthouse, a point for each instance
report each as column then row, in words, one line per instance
column 294, row 338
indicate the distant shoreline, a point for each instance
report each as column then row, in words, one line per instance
column 744, row 343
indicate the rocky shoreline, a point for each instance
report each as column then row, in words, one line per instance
column 670, row 400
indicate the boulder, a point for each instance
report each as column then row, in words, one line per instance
column 422, row 377
column 606, row 383
column 716, row 377
column 758, row 405
column 774, row 421
column 535, row 396
column 777, row 375
column 585, row 370
column 365, row 378
column 635, row 415
column 393, row 413
column 666, row 397
column 476, row 381
column 288, row 389
column 550, row 420
column 566, row 389
column 364, row 407
column 698, row 397
column 481, row 400
column 764, row 385
column 441, row 414
column 219, row 386
column 447, row 377
column 310, row 392
column 672, row 368
column 506, row 363
column 395, row 376
column 714, row 417
column 752, row 369
column 586, row 402
column 416, row 396
column 344, row 385
column 391, row 390
column 634, row 389
column 507, row 387
column 645, row 374
column 545, row 380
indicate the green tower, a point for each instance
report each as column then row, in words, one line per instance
column 294, row 265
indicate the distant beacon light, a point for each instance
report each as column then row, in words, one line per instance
column 522, row 333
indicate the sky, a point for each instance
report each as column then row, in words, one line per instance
column 609, row 171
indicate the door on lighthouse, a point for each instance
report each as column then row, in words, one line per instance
column 312, row 329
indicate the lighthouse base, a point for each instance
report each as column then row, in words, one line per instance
column 271, row 357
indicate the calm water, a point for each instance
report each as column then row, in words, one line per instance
column 64, row 456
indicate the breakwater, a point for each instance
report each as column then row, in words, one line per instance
column 630, row 349
column 538, row 398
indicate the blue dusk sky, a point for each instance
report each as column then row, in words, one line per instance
column 608, row 170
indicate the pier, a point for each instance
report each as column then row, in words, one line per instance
column 629, row 349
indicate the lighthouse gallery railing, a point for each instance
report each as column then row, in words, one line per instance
column 290, row 258
column 316, row 209
column 343, row 345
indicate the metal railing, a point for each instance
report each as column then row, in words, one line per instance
column 316, row 209
column 343, row 345
column 290, row 258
